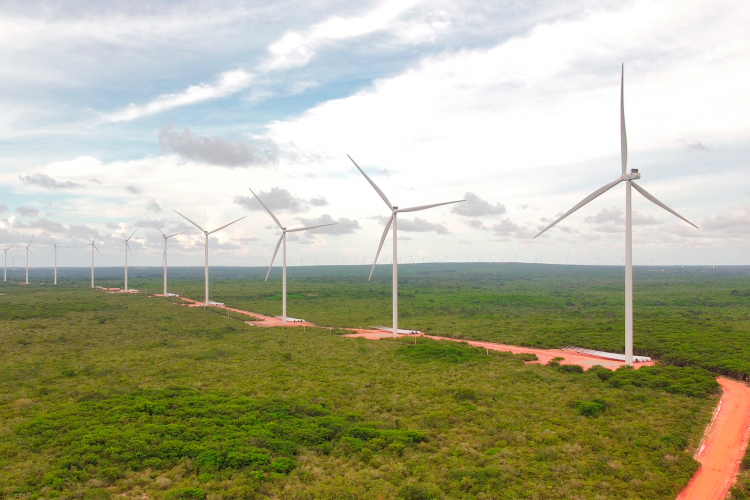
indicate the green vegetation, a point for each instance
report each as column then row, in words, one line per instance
column 116, row 396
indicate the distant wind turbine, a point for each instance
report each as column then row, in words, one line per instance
column 127, row 249
column 207, row 233
column 28, row 251
column 164, row 259
column 93, row 246
column 394, row 220
column 5, row 269
column 54, row 251
column 283, row 239
column 629, row 180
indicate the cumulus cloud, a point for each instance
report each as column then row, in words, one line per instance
column 278, row 200
column 3, row 207
column 474, row 206
column 133, row 189
column 44, row 224
column 608, row 218
column 153, row 206
column 418, row 225
column 45, row 181
column 343, row 226
column 228, row 83
column 505, row 227
column 475, row 224
column 218, row 151
column 464, row 242
column 27, row 211
column 735, row 221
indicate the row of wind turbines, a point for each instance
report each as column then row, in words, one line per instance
column 628, row 178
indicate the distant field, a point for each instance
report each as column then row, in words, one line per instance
column 113, row 396
column 694, row 316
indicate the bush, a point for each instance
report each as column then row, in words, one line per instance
column 417, row 492
column 693, row 382
column 185, row 494
column 465, row 395
column 590, row 408
column 603, row 373
column 571, row 369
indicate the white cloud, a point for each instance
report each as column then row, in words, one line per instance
column 227, row 83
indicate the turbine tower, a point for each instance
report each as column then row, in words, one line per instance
column 93, row 246
column 28, row 250
column 394, row 220
column 5, row 269
column 127, row 249
column 164, row 259
column 283, row 238
column 54, row 251
column 629, row 180
column 207, row 233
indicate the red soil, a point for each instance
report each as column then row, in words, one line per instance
column 724, row 443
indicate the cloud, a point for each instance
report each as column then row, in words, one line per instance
column 607, row 219
column 278, row 200
column 736, row 221
column 133, row 189
column 95, row 181
column 295, row 49
column 3, row 207
column 218, row 151
column 45, row 181
column 464, row 242
column 475, row 224
column 44, row 224
column 228, row 83
column 318, row 202
column 27, row 211
column 695, row 145
column 505, row 227
column 343, row 226
column 474, row 206
column 153, row 206
column 418, row 225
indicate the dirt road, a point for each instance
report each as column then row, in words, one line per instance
column 723, row 446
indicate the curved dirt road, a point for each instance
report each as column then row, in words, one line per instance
column 723, row 445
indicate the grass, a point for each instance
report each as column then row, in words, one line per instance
column 107, row 395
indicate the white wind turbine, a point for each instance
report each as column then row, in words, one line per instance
column 164, row 259
column 5, row 269
column 54, row 251
column 283, row 239
column 28, row 250
column 394, row 220
column 629, row 179
column 207, row 233
column 93, row 246
column 127, row 249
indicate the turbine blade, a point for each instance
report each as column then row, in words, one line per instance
column 50, row 255
column 226, row 225
column 267, row 209
column 310, row 227
column 14, row 244
column 623, row 134
column 32, row 239
column 53, row 241
column 97, row 249
column 131, row 252
column 382, row 240
column 154, row 223
column 587, row 199
column 425, row 207
column 652, row 199
column 274, row 255
column 175, row 234
column 136, row 229
column 382, row 194
column 193, row 223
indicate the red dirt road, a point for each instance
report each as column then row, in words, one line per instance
column 724, row 443
column 586, row 361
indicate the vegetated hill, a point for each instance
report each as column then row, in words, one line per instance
column 134, row 395
column 697, row 316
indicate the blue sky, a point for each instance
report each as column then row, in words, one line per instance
column 112, row 112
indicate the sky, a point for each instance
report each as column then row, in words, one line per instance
column 115, row 115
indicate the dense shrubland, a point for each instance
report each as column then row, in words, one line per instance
column 109, row 395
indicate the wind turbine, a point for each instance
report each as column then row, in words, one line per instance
column 165, row 252
column 55, row 252
column 28, row 250
column 93, row 246
column 5, row 269
column 283, row 238
column 394, row 220
column 629, row 180
column 127, row 249
column 207, row 233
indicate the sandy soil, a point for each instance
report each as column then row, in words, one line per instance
column 723, row 446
